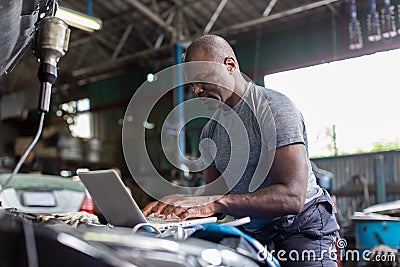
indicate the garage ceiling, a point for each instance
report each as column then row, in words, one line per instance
column 141, row 33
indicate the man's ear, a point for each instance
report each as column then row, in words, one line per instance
column 230, row 62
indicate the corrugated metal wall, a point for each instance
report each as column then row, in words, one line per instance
column 377, row 168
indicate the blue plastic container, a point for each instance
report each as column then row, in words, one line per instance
column 373, row 233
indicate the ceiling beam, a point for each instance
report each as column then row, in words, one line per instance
column 93, row 36
column 334, row 11
column 150, row 14
column 100, row 34
column 179, row 25
column 122, row 42
column 194, row 22
column 109, row 65
column 106, row 43
column 160, row 37
column 106, row 66
column 269, row 8
column 215, row 16
column 80, row 41
column 145, row 39
column 275, row 16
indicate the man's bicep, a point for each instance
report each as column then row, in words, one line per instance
column 290, row 168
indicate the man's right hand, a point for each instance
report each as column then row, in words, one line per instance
column 158, row 207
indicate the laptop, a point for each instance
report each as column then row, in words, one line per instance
column 118, row 206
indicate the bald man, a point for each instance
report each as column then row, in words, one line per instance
column 289, row 211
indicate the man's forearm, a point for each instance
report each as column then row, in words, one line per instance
column 267, row 203
column 215, row 187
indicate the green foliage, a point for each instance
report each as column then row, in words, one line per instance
column 385, row 146
column 381, row 146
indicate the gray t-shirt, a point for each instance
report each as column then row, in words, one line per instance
column 245, row 138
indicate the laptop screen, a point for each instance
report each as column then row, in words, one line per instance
column 112, row 198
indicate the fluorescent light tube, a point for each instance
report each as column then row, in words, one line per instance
column 79, row 20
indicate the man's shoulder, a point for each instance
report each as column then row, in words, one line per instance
column 271, row 94
column 276, row 101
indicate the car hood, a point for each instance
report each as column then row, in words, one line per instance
column 36, row 181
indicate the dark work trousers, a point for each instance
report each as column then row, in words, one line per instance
column 309, row 238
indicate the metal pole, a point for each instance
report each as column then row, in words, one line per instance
column 180, row 98
column 90, row 7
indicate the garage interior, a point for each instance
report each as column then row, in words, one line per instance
column 102, row 70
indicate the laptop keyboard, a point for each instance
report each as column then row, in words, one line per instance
column 159, row 220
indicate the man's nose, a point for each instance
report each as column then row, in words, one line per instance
column 197, row 89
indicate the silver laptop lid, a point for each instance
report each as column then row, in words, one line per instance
column 113, row 199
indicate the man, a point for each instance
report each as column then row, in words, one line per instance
column 289, row 211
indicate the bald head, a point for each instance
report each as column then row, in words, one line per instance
column 209, row 48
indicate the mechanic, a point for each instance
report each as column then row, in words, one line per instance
column 289, row 210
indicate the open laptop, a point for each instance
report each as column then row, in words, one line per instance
column 118, row 206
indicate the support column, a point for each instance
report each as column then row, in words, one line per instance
column 178, row 49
